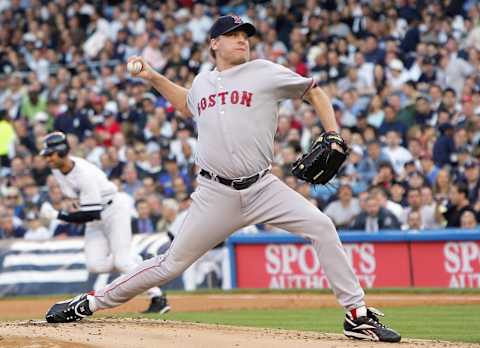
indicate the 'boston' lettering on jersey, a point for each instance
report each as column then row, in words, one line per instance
column 232, row 97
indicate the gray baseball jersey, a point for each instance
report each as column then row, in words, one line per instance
column 236, row 115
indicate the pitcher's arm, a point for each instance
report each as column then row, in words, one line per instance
column 174, row 93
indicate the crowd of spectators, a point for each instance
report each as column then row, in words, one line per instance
column 403, row 77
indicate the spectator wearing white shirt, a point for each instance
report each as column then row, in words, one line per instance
column 99, row 32
column 116, row 23
column 468, row 220
column 136, row 23
column 382, row 197
column 356, row 81
column 457, row 69
column 35, row 230
column 416, row 68
column 430, row 209
column 271, row 48
column 309, row 121
column 119, row 144
column 397, row 154
column 199, row 24
column 183, row 138
column 343, row 210
column 414, row 222
column 92, row 151
column 397, row 75
column 171, row 220
column 365, row 69
column 415, row 203
column 153, row 54
column 375, row 111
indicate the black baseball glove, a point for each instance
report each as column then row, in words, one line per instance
column 322, row 162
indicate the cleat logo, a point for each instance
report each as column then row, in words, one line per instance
column 372, row 334
column 364, row 327
column 76, row 310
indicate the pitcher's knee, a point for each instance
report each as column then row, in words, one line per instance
column 176, row 267
column 323, row 228
column 322, row 220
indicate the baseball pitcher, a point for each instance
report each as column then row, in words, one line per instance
column 235, row 108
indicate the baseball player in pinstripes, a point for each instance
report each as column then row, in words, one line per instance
column 106, row 212
column 235, row 107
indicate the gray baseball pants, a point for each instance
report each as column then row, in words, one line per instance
column 216, row 212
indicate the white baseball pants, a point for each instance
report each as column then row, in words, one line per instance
column 108, row 241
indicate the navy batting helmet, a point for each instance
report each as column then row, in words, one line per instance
column 55, row 142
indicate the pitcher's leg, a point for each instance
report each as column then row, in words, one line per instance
column 120, row 237
column 119, row 232
column 281, row 206
column 213, row 216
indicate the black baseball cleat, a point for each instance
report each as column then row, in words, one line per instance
column 158, row 304
column 70, row 310
column 369, row 328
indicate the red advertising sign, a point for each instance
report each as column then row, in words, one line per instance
column 282, row 266
column 446, row 264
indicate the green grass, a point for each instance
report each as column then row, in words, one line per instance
column 450, row 323
column 379, row 291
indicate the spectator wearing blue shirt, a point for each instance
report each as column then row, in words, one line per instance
column 375, row 218
column 351, row 169
column 168, row 175
column 423, row 111
column 444, row 145
column 412, row 36
column 13, row 201
column 429, row 169
column 8, row 229
column 472, row 179
column 390, row 123
column 373, row 54
column 73, row 121
column 370, row 164
column 144, row 223
column 131, row 182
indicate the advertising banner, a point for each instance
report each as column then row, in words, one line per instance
column 284, row 266
column 453, row 264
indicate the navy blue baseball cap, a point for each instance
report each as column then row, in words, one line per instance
column 227, row 24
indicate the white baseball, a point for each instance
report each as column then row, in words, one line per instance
column 134, row 67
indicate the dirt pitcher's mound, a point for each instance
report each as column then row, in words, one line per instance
column 35, row 308
column 128, row 333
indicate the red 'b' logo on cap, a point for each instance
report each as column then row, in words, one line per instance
column 237, row 20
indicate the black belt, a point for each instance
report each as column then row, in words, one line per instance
column 237, row 184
